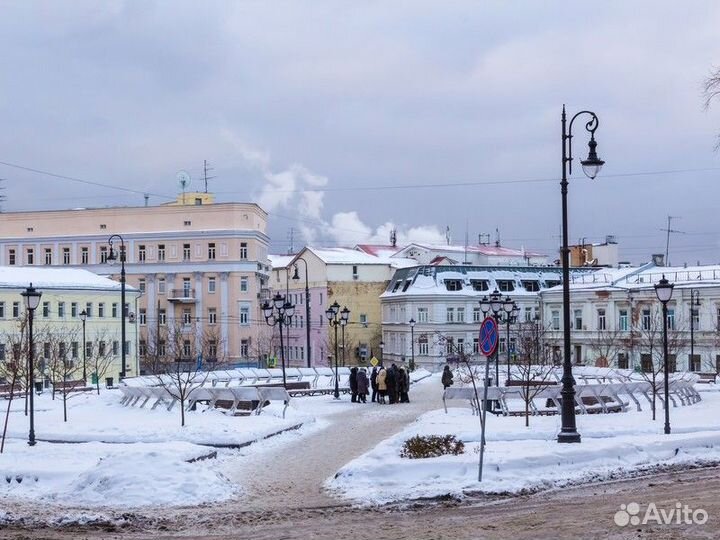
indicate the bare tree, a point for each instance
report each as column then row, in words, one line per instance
column 711, row 92
column 180, row 361
column 607, row 345
column 64, row 372
column 101, row 355
column 13, row 375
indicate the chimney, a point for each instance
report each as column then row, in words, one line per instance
column 658, row 259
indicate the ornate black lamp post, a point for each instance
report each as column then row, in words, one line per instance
column 32, row 300
column 591, row 167
column 111, row 258
column 296, row 276
column 382, row 346
column 83, row 318
column 664, row 290
column 510, row 318
column 694, row 312
column 495, row 305
column 279, row 313
column 332, row 315
column 411, row 322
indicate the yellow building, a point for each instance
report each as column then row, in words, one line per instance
column 58, row 327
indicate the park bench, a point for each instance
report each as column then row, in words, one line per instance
column 7, row 389
column 707, row 378
column 70, row 386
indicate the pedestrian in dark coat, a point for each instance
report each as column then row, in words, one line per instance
column 391, row 381
column 447, row 377
column 353, row 384
column 362, row 384
column 373, row 383
column 404, row 385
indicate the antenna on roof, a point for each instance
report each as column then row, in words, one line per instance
column 484, row 239
column 497, row 237
column 206, row 169
column 146, row 196
column 667, row 241
column 393, row 237
column 465, row 260
column 447, row 234
column 291, row 239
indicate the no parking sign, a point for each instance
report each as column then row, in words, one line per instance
column 488, row 336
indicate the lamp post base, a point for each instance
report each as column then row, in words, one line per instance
column 568, row 437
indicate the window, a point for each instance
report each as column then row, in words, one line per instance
column 187, row 292
column 142, row 348
column 646, row 363
column 244, row 348
column 161, row 286
column 89, row 349
column 718, row 319
column 671, row 319
column 186, row 350
column 46, row 309
column 16, row 310
column 601, row 319
column 453, row 285
column 528, row 314
column 142, row 317
column 646, row 319
column 212, row 350
column 88, row 309
column 115, row 347
column 66, row 255
column 449, row 346
column 480, row 284
column 552, row 283
column 141, row 285
column 243, row 250
column 212, row 316
column 501, row 345
column 84, row 255
column 244, row 315
column 460, row 345
column 186, row 252
column 476, row 345
column 477, row 315
column 2, row 352
column 103, row 254
column 142, row 253
column 355, row 271
column 161, row 348
column 578, row 319
column 46, row 350
column 531, row 285
column 48, row 255
column 363, row 319
column 30, row 256
column 461, row 314
column 695, row 314
column 506, row 285
column 103, row 226
column 694, row 362
column 450, row 315
column 11, row 257
column 162, row 317
column 186, row 316
column 73, row 309
column 243, row 284
column 423, row 347
column 61, row 309
column 555, row 317
column 211, row 251
column 114, row 310
column 101, row 309
column 101, row 348
column 74, row 349
column 623, row 321
column 211, row 284
column 2, row 310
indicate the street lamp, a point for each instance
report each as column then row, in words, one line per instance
column 345, row 313
column 382, row 346
column 332, row 315
column 591, row 167
column 412, row 344
column 83, row 317
column 279, row 313
column 296, row 276
column 495, row 305
column 694, row 311
column 32, row 299
column 111, row 258
column 511, row 310
column 664, row 290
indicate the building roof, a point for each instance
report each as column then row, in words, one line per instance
column 20, row 277
column 379, row 250
column 280, row 261
column 482, row 249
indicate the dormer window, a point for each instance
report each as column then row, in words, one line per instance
column 453, row 285
column 551, row 283
column 531, row 285
column 506, row 285
column 480, row 284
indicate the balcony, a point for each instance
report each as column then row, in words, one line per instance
column 183, row 296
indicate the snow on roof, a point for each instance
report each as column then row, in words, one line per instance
column 379, row 250
column 485, row 250
column 20, row 277
column 280, row 261
column 647, row 276
column 341, row 255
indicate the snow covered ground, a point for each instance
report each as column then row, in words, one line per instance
column 519, row 458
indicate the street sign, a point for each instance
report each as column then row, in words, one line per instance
column 272, row 361
column 374, row 361
column 488, row 336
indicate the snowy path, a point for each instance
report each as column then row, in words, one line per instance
column 292, row 475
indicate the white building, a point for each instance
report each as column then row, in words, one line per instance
column 616, row 320
column 475, row 255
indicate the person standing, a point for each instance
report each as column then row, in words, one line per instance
column 353, row 384
column 362, row 385
column 404, row 385
column 373, row 383
column 447, row 377
column 382, row 384
column 391, row 382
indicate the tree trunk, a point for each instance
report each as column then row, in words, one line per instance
column 7, row 414
column 65, row 392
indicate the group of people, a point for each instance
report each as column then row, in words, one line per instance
column 392, row 383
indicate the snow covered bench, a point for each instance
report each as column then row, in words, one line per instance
column 707, row 378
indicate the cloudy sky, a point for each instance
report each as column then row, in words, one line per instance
column 344, row 119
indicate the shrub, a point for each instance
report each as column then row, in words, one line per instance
column 418, row 447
